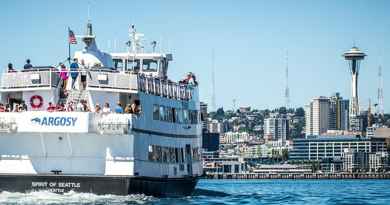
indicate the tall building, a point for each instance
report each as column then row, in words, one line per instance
column 276, row 128
column 204, row 115
column 215, row 127
column 338, row 113
column 317, row 116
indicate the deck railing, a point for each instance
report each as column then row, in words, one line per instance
column 105, row 78
column 112, row 80
column 164, row 88
column 34, row 78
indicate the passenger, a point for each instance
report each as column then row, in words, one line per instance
column 51, row 107
column 128, row 109
column 28, row 64
column 83, row 76
column 118, row 108
column 85, row 106
column 135, row 107
column 80, row 106
column 60, row 107
column 15, row 108
column 63, row 75
column 106, row 108
column 2, row 107
column 74, row 68
column 98, row 109
column 69, row 107
column 23, row 106
column 11, row 68
column 7, row 108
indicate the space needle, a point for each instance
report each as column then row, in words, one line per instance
column 354, row 56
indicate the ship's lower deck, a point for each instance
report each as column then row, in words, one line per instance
column 117, row 185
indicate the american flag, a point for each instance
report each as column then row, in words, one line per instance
column 72, row 37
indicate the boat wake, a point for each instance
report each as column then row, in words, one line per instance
column 44, row 197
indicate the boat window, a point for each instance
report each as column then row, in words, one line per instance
column 174, row 119
column 156, row 112
column 179, row 116
column 193, row 116
column 185, row 116
column 172, row 158
column 118, row 63
column 176, row 155
column 162, row 113
column 165, row 153
column 169, row 114
column 149, row 65
column 158, row 153
column 181, row 155
column 133, row 64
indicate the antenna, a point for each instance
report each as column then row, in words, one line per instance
column 380, row 110
column 287, row 89
column 213, row 103
column 89, row 10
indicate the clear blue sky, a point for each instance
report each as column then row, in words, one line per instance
column 250, row 39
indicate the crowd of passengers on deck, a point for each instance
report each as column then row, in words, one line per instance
column 81, row 106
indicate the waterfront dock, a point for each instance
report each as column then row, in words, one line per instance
column 300, row 176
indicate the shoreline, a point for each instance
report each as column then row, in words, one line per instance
column 299, row 176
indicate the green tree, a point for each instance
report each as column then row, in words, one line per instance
column 300, row 112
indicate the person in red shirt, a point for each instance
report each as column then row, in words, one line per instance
column 51, row 107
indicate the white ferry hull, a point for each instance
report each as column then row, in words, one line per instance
column 117, row 185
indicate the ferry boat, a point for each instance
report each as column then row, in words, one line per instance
column 153, row 149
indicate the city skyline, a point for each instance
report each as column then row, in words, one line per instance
column 249, row 42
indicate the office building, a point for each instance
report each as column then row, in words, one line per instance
column 204, row 115
column 276, row 128
column 214, row 126
column 322, row 147
column 317, row 116
column 210, row 141
column 338, row 113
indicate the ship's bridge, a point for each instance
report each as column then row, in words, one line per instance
column 150, row 64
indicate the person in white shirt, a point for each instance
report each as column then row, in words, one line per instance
column 106, row 108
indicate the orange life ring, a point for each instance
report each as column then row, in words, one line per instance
column 36, row 101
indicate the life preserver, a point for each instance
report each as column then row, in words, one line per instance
column 36, row 101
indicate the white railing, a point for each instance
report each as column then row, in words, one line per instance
column 29, row 79
column 100, row 79
column 112, row 80
column 164, row 88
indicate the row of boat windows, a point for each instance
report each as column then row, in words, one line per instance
column 172, row 154
column 175, row 115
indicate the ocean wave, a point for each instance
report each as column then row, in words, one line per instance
column 45, row 197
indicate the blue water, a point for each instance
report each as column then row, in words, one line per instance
column 236, row 192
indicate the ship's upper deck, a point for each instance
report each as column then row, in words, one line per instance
column 126, row 72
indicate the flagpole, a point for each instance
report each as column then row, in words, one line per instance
column 68, row 46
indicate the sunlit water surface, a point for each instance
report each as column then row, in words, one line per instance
column 235, row 192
